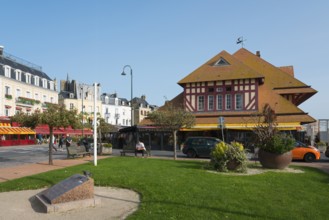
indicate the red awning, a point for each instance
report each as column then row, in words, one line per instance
column 44, row 129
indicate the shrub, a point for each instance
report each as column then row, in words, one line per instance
column 225, row 157
column 279, row 143
column 107, row 145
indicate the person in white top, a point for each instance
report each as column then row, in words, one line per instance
column 140, row 148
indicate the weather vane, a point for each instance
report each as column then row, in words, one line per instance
column 240, row 40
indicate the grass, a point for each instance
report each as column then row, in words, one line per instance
column 184, row 190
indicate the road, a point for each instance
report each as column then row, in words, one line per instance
column 19, row 155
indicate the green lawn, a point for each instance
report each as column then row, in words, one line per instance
column 185, row 190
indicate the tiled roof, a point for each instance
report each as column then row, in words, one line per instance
column 212, row 72
column 275, row 77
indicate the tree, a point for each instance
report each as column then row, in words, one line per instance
column 54, row 116
column 171, row 118
column 104, row 128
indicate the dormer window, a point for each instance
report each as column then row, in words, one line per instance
column 44, row 83
column 51, row 85
column 222, row 62
column 36, row 80
column 18, row 75
column 28, row 78
column 7, row 71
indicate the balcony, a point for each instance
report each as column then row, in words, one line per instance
column 26, row 101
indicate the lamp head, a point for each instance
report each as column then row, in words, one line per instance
column 123, row 73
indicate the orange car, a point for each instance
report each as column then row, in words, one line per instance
column 304, row 152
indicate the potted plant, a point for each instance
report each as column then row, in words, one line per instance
column 274, row 147
column 228, row 157
column 107, row 148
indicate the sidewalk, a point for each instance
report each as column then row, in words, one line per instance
column 15, row 172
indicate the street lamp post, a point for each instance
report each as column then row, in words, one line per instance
column 131, row 94
column 96, row 85
column 82, row 110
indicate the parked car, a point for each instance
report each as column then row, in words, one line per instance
column 327, row 152
column 305, row 152
column 199, row 146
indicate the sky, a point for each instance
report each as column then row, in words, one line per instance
column 163, row 41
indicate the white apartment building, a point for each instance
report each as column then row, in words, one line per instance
column 24, row 86
column 116, row 111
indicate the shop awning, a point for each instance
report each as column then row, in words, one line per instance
column 16, row 130
column 248, row 126
column 44, row 130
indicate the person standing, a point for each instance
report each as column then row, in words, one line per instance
column 68, row 141
column 60, row 142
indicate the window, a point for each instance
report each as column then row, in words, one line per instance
column 219, row 89
column 7, row 112
column 7, row 90
column 219, row 102
column 228, row 88
column 222, row 62
column 36, row 96
column 238, row 102
column 18, row 93
column 44, row 98
column 200, row 103
column 28, row 78
column 52, row 99
column 18, row 75
column 28, row 94
column 210, row 102
column 51, row 85
column 228, row 99
column 71, row 106
column 7, row 71
column 36, row 80
column 44, row 83
column 211, row 89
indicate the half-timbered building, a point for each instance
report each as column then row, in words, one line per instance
column 235, row 87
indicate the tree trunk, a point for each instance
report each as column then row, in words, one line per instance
column 51, row 131
column 175, row 143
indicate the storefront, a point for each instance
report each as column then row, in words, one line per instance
column 11, row 136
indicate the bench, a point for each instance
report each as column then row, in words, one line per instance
column 126, row 151
column 76, row 150
column 132, row 151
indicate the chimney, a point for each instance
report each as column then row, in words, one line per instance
column 258, row 53
column 1, row 51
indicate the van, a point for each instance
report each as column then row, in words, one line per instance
column 199, row 146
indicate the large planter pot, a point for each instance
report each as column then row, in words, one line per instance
column 107, row 150
column 273, row 160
